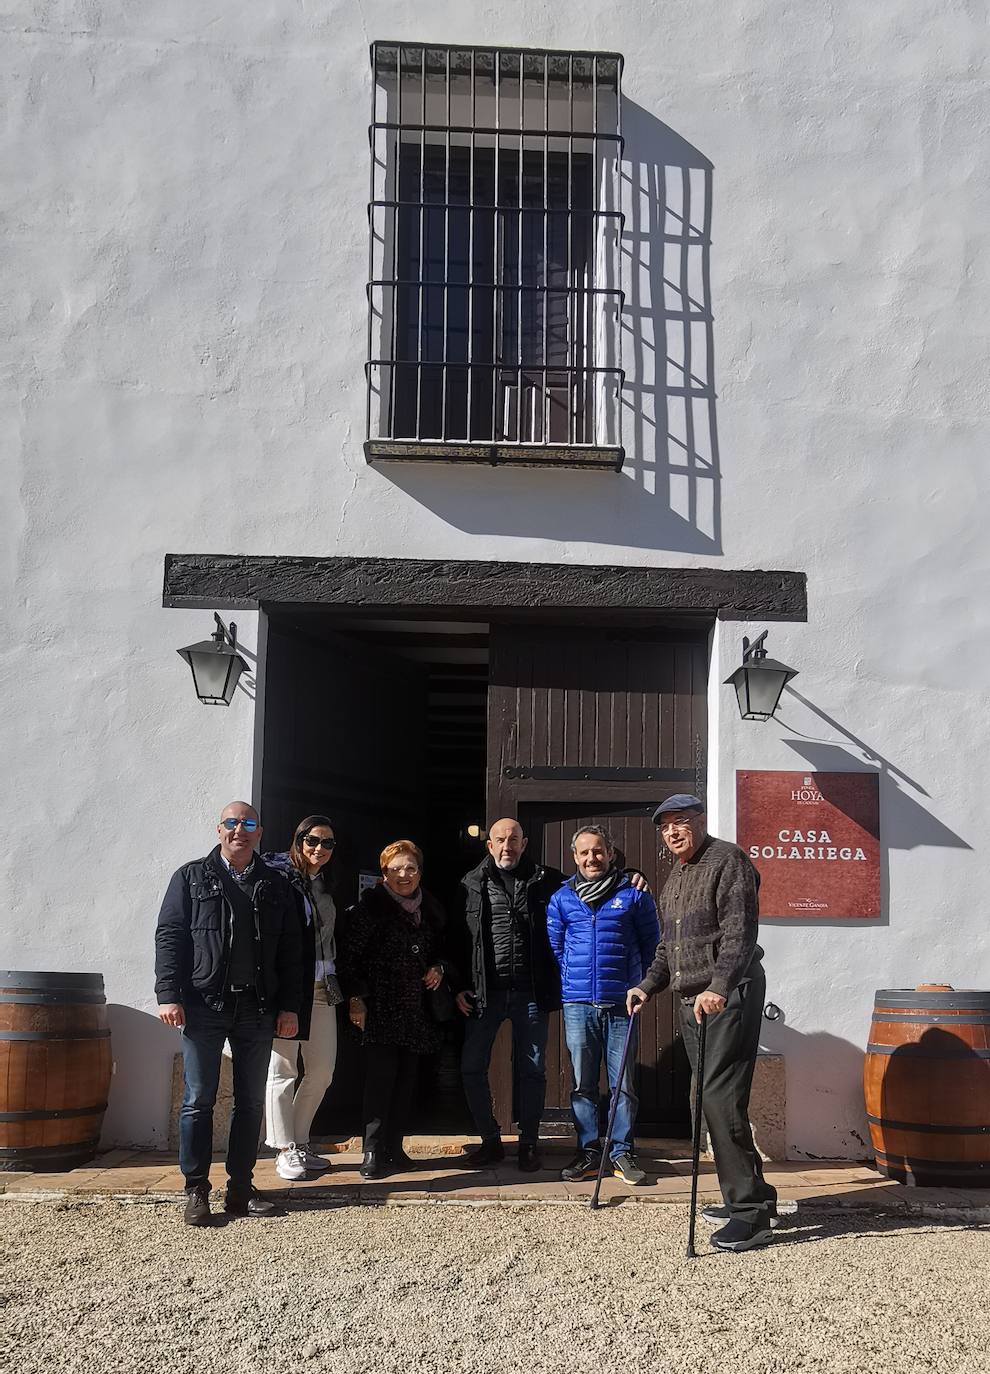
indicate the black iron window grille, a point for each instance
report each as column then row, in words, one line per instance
column 494, row 279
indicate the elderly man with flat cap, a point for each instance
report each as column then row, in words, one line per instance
column 228, row 967
column 709, row 957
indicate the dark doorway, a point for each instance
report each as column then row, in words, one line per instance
column 380, row 724
column 405, row 726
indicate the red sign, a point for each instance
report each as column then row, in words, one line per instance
column 815, row 838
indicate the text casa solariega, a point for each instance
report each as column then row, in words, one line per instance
column 806, row 844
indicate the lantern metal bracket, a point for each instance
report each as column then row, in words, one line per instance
column 224, row 635
column 751, row 648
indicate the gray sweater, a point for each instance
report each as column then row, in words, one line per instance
column 709, row 914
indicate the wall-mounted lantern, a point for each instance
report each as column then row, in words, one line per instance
column 216, row 665
column 759, row 681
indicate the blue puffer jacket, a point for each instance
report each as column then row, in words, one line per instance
column 602, row 953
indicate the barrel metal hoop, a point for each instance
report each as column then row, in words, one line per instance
column 69, row 998
column 922, row 1020
column 908, row 997
column 63, row 1114
column 55, row 1035
column 915, row 1165
column 926, row 1126
column 30, row 1153
column 917, row 1052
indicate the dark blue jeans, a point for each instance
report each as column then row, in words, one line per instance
column 529, row 1044
column 250, row 1035
column 592, row 1032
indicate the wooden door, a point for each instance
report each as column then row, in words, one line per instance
column 595, row 727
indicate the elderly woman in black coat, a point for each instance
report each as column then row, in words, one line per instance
column 391, row 960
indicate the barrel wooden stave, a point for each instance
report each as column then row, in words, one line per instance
column 55, row 1069
column 926, row 1080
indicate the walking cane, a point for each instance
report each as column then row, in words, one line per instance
column 593, row 1204
column 699, row 1089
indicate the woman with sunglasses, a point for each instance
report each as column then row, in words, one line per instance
column 288, row 1113
column 392, row 959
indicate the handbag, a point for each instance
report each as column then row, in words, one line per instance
column 331, row 985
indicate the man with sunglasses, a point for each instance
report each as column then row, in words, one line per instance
column 228, row 967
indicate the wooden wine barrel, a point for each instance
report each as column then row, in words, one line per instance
column 927, row 1085
column 55, row 1068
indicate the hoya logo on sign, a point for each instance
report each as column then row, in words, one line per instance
column 808, row 792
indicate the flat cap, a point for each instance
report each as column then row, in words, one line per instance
column 680, row 801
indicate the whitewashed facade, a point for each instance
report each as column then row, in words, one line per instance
column 184, row 332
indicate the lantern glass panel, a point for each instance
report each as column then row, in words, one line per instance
column 211, row 674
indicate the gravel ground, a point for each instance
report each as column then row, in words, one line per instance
column 118, row 1288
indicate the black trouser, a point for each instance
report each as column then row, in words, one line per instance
column 731, row 1043
column 389, row 1083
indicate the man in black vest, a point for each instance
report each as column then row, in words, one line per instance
column 507, row 971
column 228, row 967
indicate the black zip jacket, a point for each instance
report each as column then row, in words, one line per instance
column 193, row 937
column 541, row 884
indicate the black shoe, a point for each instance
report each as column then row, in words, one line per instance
column 715, row 1216
column 374, row 1165
column 487, row 1153
column 250, row 1204
column 197, row 1211
column 626, row 1168
column 585, row 1164
column 399, row 1160
column 530, row 1159
column 739, row 1235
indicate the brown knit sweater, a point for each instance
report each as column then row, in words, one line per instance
column 708, row 913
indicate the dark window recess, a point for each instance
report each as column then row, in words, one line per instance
column 494, row 298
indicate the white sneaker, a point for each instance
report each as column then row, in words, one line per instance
column 315, row 1164
column 290, row 1163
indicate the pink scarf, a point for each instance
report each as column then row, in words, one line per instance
column 410, row 905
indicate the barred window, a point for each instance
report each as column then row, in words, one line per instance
column 494, row 295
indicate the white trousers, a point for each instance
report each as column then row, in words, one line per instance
column 289, row 1114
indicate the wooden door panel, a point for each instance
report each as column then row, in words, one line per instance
column 594, row 725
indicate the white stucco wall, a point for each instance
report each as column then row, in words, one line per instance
column 183, row 333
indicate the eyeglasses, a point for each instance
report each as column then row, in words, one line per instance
column 401, row 872
column 230, row 823
column 317, row 842
column 683, row 823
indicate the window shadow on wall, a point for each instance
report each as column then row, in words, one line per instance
column 668, row 496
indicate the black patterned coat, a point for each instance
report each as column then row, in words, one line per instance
column 382, row 956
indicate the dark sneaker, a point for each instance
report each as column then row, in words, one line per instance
column 529, row 1159
column 739, row 1235
column 716, row 1216
column 197, row 1211
column 626, row 1168
column 489, row 1152
column 585, row 1164
column 250, row 1204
